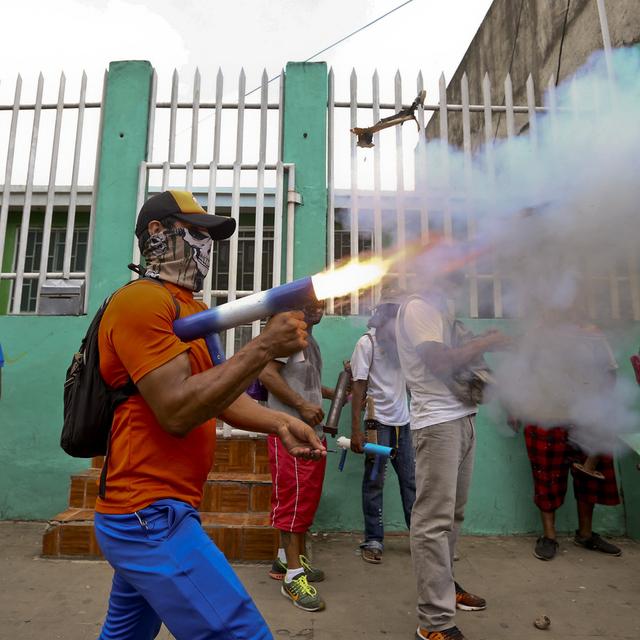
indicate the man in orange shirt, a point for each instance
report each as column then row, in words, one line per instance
column 166, row 569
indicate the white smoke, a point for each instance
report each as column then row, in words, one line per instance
column 558, row 209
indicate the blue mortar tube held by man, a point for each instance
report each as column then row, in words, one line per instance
column 209, row 324
column 291, row 296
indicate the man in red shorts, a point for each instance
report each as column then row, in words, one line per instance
column 295, row 387
column 553, row 450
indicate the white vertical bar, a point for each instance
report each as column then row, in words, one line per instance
column 166, row 171
column 531, row 108
column 331, row 193
column 195, row 112
column 73, row 196
column 291, row 223
column 213, row 172
column 26, row 209
column 508, row 103
column 491, row 171
column 444, row 145
column 420, row 179
column 277, row 224
column 468, row 173
column 235, row 207
column 152, row 115
column 259, row 219
column 353, row 111
column 400, row 204
column 172, row 116
column 94, row 192
column 8, row 170
column 51, row 189
column 377, row 178
column 142, row 190
column 279, row 201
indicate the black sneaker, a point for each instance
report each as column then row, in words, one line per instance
column 597, row 543
column 546, row 548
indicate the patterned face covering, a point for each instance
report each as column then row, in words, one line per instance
column 180, row 256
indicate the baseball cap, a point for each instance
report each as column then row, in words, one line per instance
column 184, row 207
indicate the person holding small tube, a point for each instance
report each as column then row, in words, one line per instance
column 166, row 568
column 443, row 431
column 377, row 378
column 295, row 387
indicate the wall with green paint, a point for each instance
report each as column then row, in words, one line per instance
column 501, row 494
column 34, row 482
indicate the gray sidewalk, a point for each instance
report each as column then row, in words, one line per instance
column 586, row 594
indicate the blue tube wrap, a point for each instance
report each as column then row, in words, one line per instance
column 205, row 324
column 379, row 450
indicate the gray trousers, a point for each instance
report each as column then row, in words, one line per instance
column 444, row 463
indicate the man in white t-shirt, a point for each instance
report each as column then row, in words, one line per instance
column 443, row 431
column 377, row 378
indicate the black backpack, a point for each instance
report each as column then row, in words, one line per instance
column 89, row 403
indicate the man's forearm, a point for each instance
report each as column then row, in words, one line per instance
column 443, row 360
column 246, row 413
column 210, row 392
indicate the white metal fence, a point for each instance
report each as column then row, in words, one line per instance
column 374, row 204
column 48, row 159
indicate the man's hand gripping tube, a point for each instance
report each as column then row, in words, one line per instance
column 210, row 323
column 369, row 447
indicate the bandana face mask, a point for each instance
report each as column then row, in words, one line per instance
column 180, row 256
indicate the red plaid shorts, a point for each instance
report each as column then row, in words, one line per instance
column 552, row 455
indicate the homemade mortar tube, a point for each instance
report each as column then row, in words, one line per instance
column 339, row 398
column 209, row 323
column 370, row 448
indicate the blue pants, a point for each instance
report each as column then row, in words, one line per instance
column 168, row 570
column 372, row 490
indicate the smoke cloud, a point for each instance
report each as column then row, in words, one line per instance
column 556, row 212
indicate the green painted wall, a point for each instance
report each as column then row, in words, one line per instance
column 34, row 482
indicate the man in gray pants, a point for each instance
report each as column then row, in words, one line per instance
column 443, row 431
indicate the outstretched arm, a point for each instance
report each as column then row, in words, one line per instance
column 182, row 401
column 299, row 438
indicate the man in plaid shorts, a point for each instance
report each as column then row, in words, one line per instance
column 552, row 452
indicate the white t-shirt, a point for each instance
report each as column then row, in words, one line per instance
column 386, row 385
column 431, row 401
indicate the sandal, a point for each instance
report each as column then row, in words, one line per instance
column 374, row 556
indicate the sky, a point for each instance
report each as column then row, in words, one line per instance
column 72, row 35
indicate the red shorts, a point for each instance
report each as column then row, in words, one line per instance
column 552, row 454
column 296, row 490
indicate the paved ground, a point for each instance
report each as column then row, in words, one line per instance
column 586, row 595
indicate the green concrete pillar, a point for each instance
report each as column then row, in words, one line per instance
column 124, row 145
column 305, row 145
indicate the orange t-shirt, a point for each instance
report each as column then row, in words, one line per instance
column 146, row 463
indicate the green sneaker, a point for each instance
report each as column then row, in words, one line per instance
column 302, row 594
column 313, row 574
column 278, row 569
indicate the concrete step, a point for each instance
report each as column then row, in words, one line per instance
column 235, row 506
column 240, row 536
column 223, row 492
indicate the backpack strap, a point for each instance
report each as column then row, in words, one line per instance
column 127, row 390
